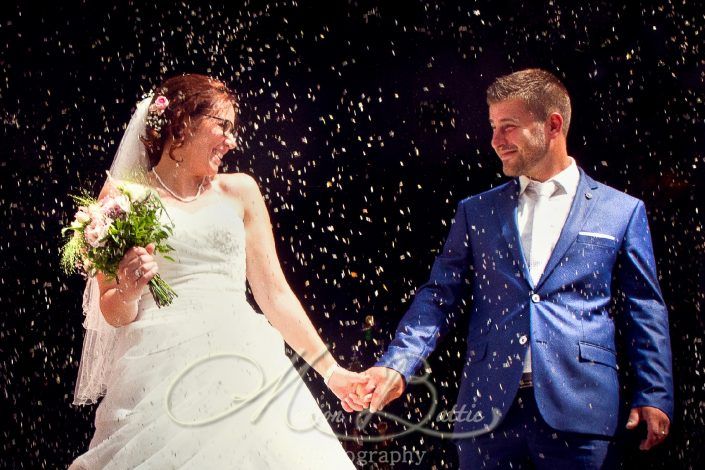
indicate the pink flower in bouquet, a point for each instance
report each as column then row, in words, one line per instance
column 96, row 231
column 116, row 207
column 95, row 212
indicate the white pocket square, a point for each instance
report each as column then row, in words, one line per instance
column 598, row 235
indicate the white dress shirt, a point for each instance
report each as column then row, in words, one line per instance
column 542, row 212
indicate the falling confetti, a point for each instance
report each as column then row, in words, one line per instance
column 364, row 123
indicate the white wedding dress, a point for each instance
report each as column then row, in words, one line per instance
column 204, row 383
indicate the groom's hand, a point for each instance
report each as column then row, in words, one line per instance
column 657, row 425
column 385, row 384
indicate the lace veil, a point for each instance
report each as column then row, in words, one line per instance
column 99, row 342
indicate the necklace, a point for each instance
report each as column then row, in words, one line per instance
column 182, row 199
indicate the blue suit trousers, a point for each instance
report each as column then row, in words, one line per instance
column 524, row 440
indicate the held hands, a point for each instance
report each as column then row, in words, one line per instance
column 657, row 425
column 135, row 270
column 344, row 384
column 384, row 384
column 372, row 389
column 378, row 386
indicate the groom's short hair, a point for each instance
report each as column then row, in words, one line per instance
column 542, row 92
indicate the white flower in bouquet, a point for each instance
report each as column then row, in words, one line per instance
column 137, row 193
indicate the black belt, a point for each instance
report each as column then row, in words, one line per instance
column 526, row 381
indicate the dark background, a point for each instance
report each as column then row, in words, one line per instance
column 365, row 122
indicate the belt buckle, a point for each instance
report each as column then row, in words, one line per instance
column 526, row 381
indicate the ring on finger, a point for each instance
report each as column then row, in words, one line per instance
column 138, row 273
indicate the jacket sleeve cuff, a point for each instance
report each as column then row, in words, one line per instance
column 661, row 405
column 400, row 361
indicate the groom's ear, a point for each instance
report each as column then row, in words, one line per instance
column 554, row 124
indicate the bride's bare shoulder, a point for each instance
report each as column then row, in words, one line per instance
column 238, row 184
column 242, row 189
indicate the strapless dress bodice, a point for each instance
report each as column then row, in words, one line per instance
column 208, row 244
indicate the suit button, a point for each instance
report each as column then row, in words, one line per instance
column 523, row 339
column 536, row 298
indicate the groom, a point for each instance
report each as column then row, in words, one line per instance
column 544, row 256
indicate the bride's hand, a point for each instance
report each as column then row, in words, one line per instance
column 135, row 270
column 345, row 384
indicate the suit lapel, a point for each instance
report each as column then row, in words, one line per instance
column 507, row 203
column 585, row 199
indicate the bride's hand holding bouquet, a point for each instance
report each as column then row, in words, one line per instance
column 117, row 236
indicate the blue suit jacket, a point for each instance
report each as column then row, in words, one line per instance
column 604, row 245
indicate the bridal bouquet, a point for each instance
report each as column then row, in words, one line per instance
column 102, row 231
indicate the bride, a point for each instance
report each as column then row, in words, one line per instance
column 204, row 382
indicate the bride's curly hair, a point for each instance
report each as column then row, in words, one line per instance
column 189, row 95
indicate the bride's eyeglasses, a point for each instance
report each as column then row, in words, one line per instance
column 226, row 124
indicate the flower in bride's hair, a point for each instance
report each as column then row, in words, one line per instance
column 155, row 115
column 159, row 104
